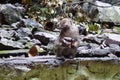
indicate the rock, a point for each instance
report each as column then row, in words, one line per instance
column 24, row 40
column 84, row 47
column 20, row 9
column 93, row 39
column 96, row 13
column 94, row 46
column 32, row 23
column 24, row 32
column 94, row 53
column 6, row 44
column 110, row 1
column 113, row 12
column 11, row 13
column 6, row 26
column 115, row 49
column 18, row 24
column 29, row 42
column 45, row 37
column 112, row 39
column 9, row 34
column 35, row 41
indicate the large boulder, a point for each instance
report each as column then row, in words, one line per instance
column 108, row 13
column 102, row 12
column 11, row 13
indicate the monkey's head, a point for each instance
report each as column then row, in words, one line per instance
column 65, row 22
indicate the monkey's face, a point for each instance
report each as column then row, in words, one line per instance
column 65, row 22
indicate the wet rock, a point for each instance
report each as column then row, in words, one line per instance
column 45, row 37
column 6, row 44
column 11, row 14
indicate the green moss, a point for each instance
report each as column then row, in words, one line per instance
column 85, row 70
column 13, row 51
column 93, row 27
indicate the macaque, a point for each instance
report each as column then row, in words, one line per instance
column 68, row 29
column 34, row 50
column 69, row 39
column 67, row 48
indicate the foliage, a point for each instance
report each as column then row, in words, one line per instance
column 50, row 9
column 93, row 28
column 118, row 29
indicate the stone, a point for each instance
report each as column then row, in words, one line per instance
column 6, row 44
column 9, row 34
column 32, row 23
column 45, row 37
column 96, row 13
column 10, row 13
column 24, row 32
column 112, row 38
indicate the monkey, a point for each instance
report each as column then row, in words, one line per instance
column 33, row 51
column 68, row 29
column 69, row 38
column 67, row 48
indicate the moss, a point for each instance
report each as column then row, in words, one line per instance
column 83, row 70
